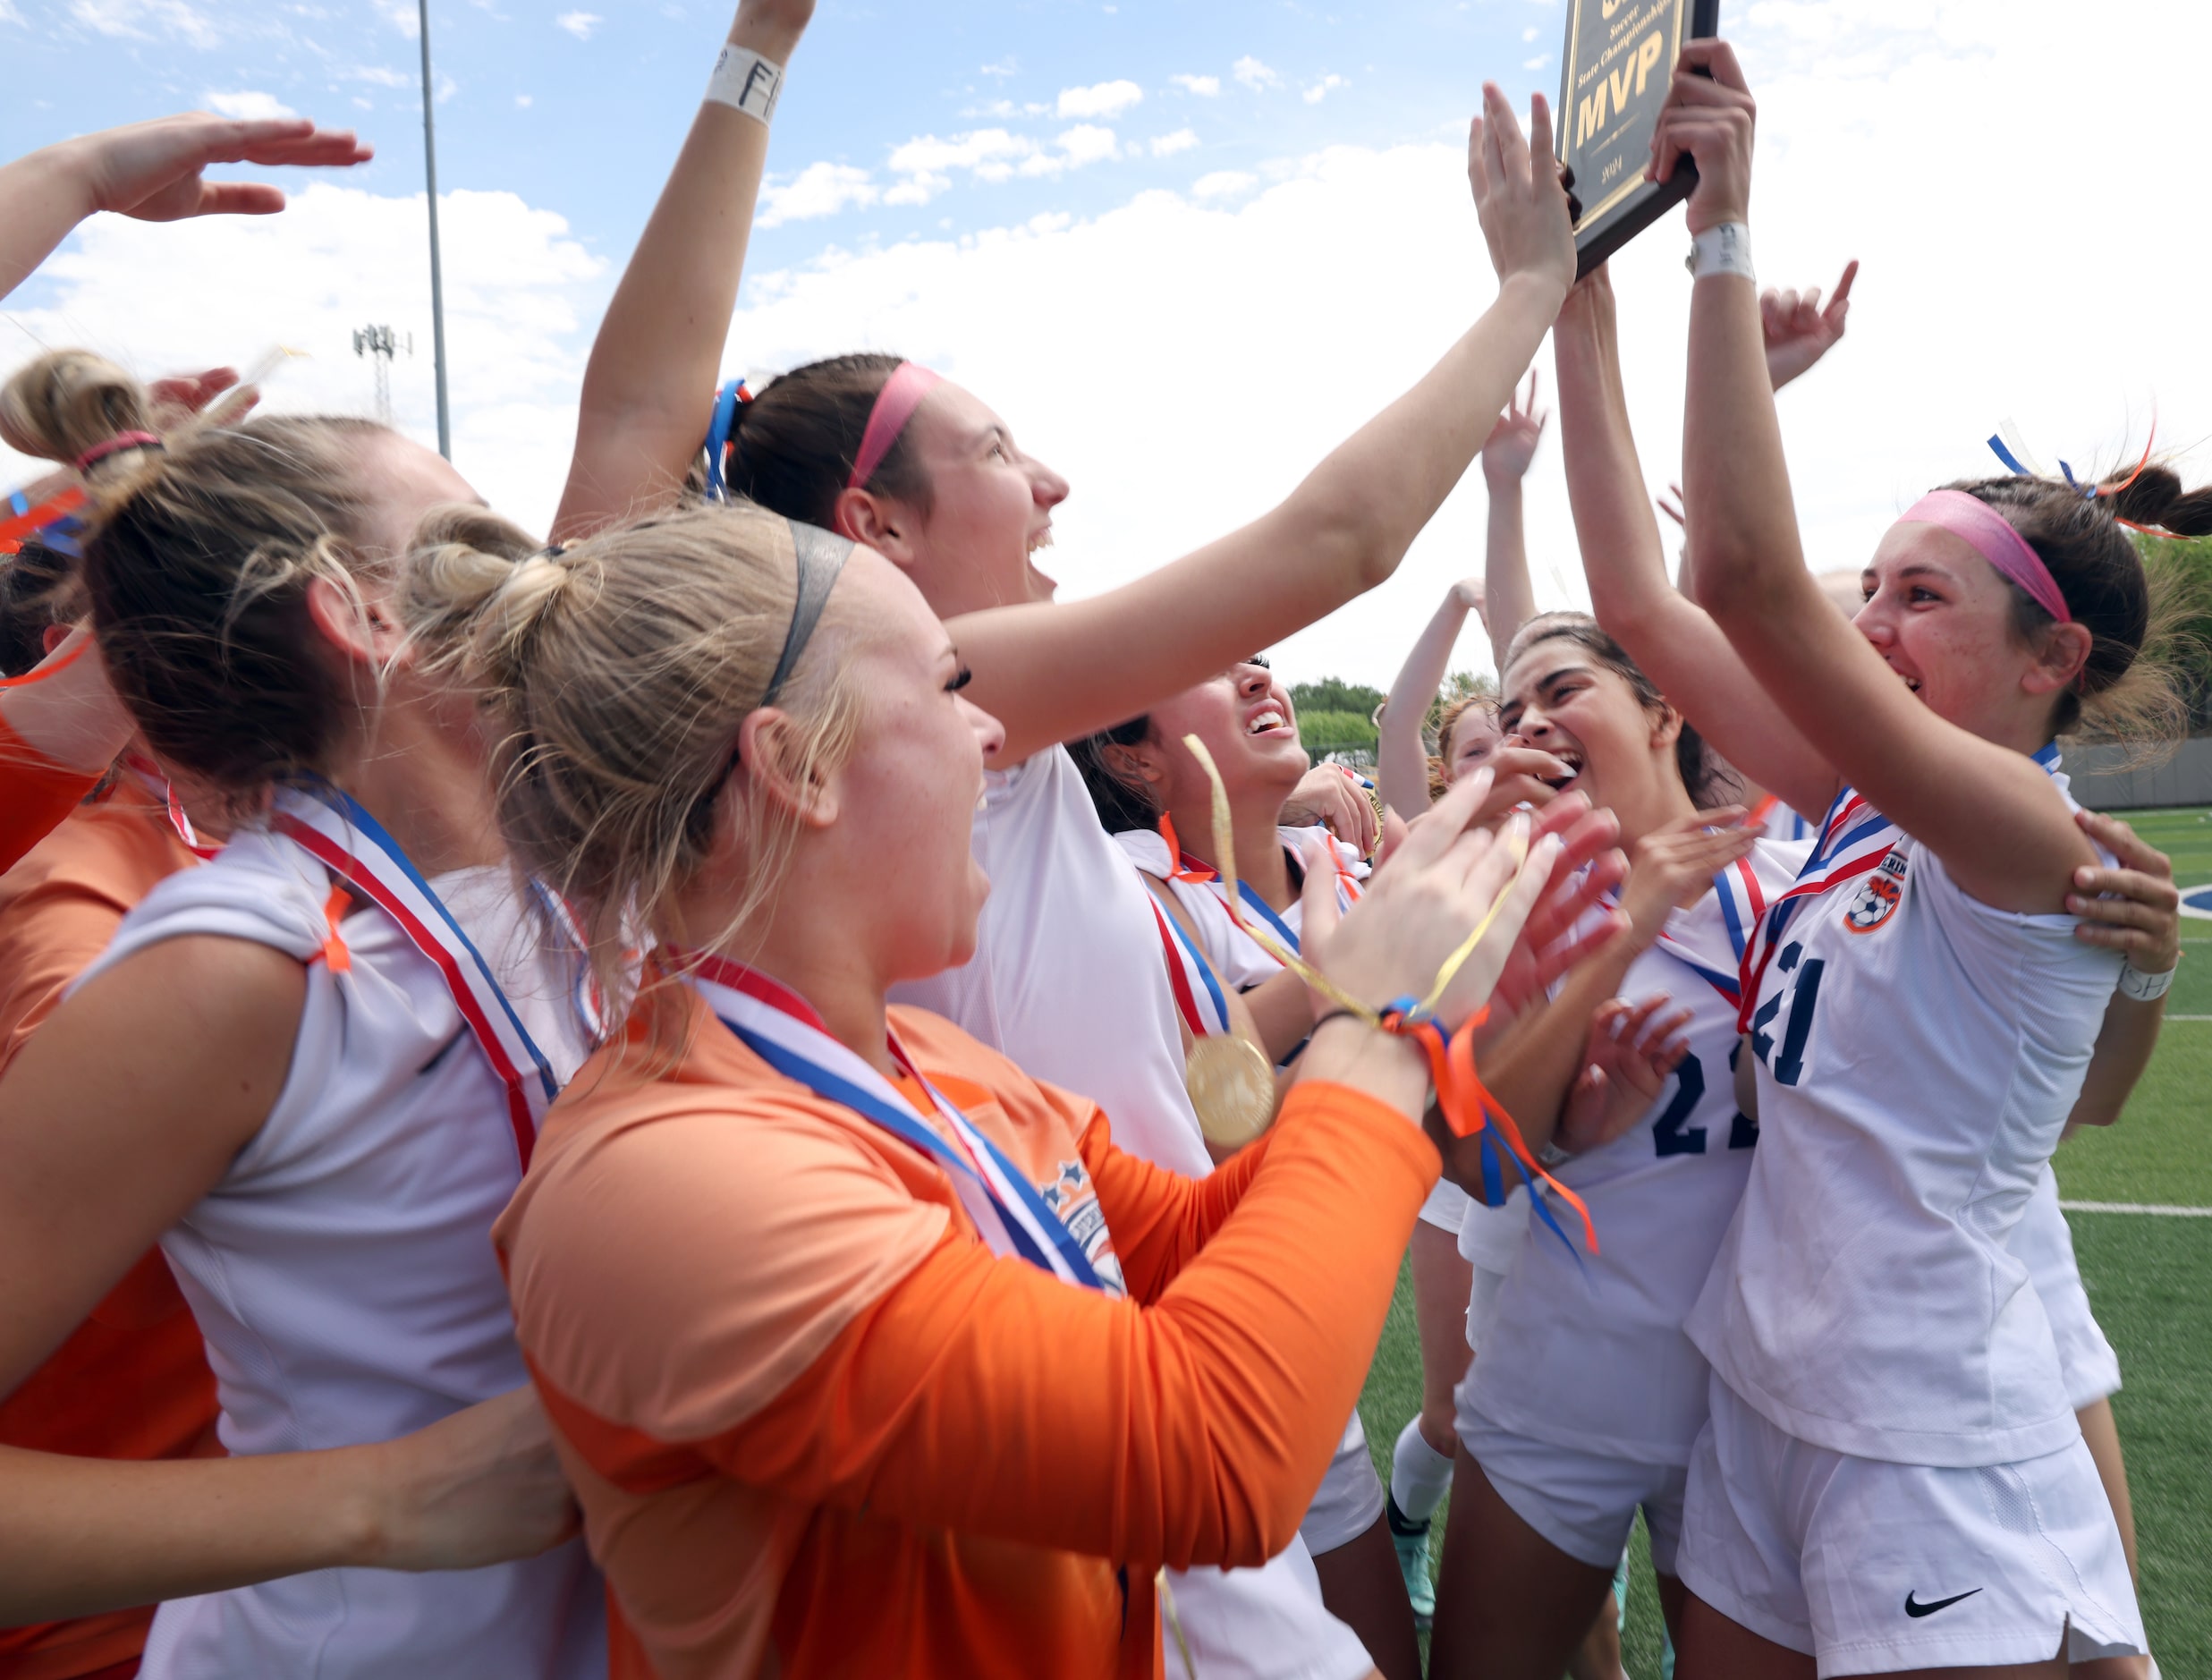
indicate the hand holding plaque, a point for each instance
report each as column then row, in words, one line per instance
column 1616, row 73
column 1704, row 135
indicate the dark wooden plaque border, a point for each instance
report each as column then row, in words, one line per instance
column 1654, row 199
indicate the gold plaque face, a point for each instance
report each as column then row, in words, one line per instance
column 1233, row 1089
column 1617, row 65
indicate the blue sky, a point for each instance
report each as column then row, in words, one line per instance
column 577, row 106
column 1183, row 330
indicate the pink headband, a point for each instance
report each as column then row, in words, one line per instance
column 895, row 403
column 1992, row 536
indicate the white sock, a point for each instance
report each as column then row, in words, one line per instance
column 1418, row 1474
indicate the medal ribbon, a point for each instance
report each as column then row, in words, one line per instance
column 148, row 776
column 782, row 1028
column 1203, row 1007
column 332, row 826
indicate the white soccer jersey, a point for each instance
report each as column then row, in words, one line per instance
column 2044, row 1243
column 342, row 1276
column 1587, row 1351
column 1918, row 1052
column 1067, row 977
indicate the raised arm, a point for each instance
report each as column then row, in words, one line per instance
column 1510, row 598
column 150, row 171
column 1987, row 810
column 1053, row 674
column 649, row 387
column 1401, row 755
column 1664, row 631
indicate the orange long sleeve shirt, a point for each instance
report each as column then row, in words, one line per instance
column 132, row 1381
column 819, row 1428
column 35, row 793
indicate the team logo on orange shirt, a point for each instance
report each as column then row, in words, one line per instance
column 1878, row 894
column 1073, row 1198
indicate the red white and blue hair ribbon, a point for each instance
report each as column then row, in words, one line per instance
column 782, row 1028
column 728, row 400
column 334, row 828
column 53, row 521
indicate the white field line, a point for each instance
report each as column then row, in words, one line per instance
column 2137, row 1207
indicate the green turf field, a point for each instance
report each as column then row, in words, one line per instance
column 2149, row 1276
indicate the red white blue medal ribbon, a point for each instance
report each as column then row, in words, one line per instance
column 587, row 995
column 1200, row 1000
column 332, row 827
column 1743, row 900
column 782, row 1028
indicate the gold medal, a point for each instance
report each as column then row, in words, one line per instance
column 1233, row 1089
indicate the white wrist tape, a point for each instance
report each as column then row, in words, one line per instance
column 1723, row 250
column 746, row 81
column 2145, row 988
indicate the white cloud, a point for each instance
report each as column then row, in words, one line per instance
column 382, row 77
column 1205, row 87
column 818, row 189
column 143, row 20
column 981, row 150
column 1223, row 183
column 521, row 300
column 1252, row 73
column 1317, row 91
column 1531, row 33
column 1107, row 99
column 580, row 24
column 248, row 107
column 1537, row 62
column 1168, row 145
column 1087, row 143
column 1005, row 66
column 402, row 16
column 8, row 12
column 523, row 101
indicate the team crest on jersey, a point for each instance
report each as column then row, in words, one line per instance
column 1074, row 1199
column 1878, row 894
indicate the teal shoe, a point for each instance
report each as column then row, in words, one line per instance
column 1412, row 1539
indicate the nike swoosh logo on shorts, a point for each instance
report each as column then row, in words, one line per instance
column 1915, row 1608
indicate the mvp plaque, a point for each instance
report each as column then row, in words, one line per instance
column 1619, row 61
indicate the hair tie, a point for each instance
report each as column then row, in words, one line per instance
column 729, row 401
column 820, row 555
column 117, row 445
column 551, row 551
column 1991, row 536
column 895, row 405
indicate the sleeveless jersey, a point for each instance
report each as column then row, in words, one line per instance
column 1592, row 1356
column 1067, row 977
column 1918, row 1052
column 343, row 1276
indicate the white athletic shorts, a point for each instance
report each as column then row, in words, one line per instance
column 1875, row 1567
column 1446, row 1206
column 1264, row 1623
column 1351, row 1500
column 1582, row 1503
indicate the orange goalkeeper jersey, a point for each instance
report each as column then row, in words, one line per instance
column 817, row 1428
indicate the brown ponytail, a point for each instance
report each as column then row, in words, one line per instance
column 796, row 444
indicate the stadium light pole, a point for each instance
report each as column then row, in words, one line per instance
column 438, row 277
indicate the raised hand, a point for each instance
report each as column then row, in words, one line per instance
column 1633, row 1050
column 1799, row 331
column 1673, row 865
column 1512, row 441
column 1441, row 880
column 1329, row 795
column 152, row 171
column 1708, row 118
column 1518, row 196
column 2134, row 908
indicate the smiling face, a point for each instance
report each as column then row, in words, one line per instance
column 1942, row 617
column 1245, row 718
column 909, row 789
column 1469, row 741
column 990, row 508
column 1562, row 699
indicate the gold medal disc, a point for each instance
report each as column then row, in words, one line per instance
column 1233, row 1089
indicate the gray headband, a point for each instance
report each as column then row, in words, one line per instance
column 821, row 556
